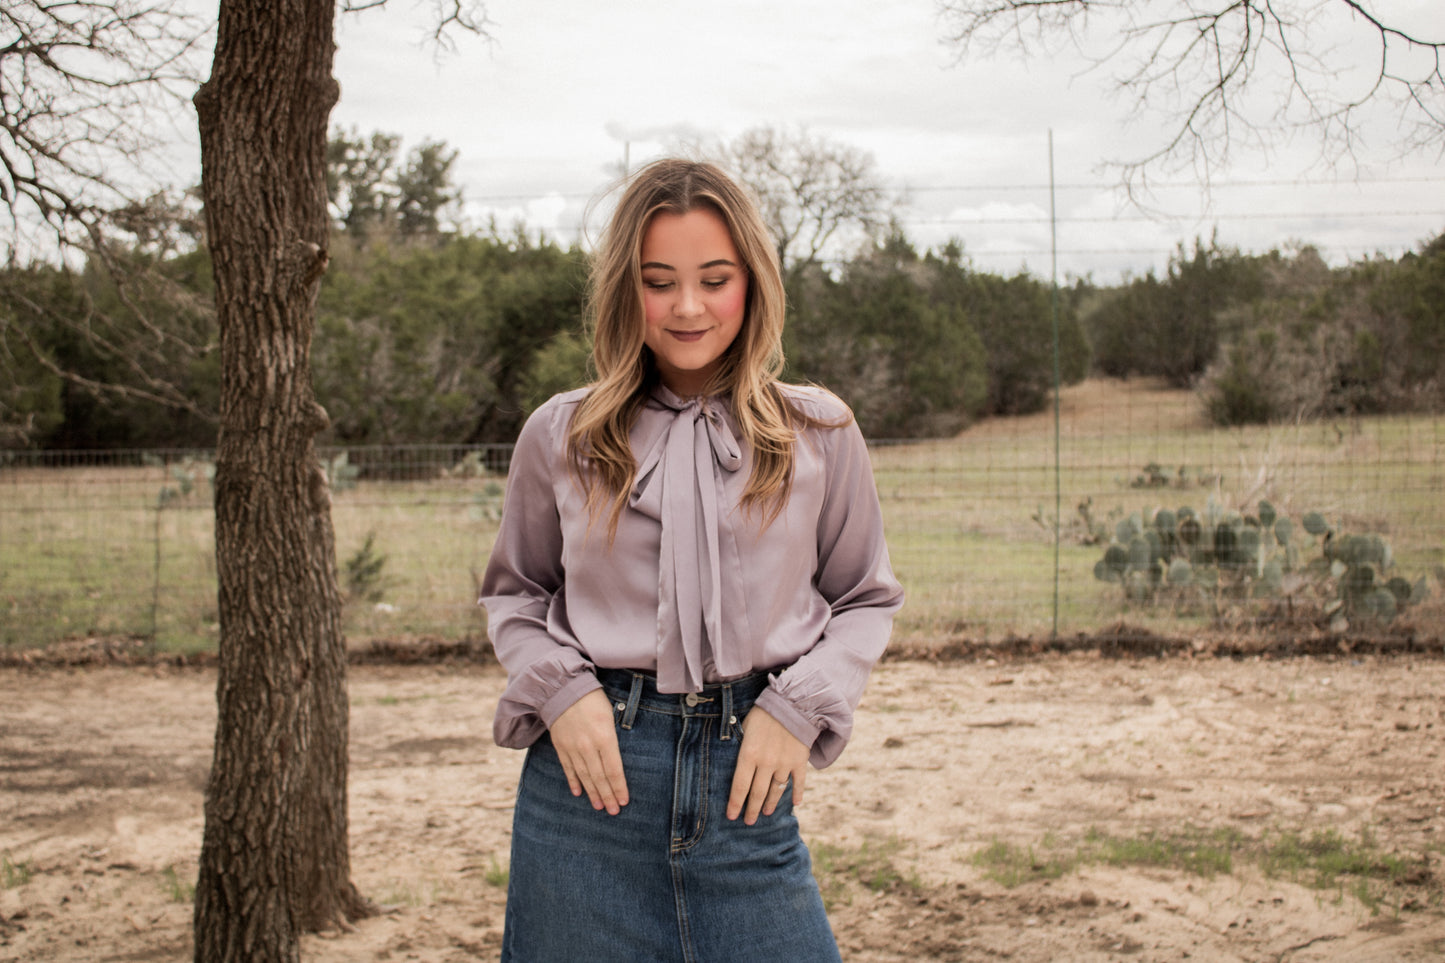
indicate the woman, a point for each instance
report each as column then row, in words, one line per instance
column 688, row 591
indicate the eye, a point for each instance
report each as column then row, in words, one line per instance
column 713, row 284
column 656, row 285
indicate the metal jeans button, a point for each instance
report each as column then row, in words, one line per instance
column 692, row 699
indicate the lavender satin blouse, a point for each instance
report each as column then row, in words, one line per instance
column 694, row 587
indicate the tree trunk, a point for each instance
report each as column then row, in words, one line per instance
column 274, row 861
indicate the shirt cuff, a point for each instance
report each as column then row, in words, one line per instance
column 567, row 696
column 799, row 725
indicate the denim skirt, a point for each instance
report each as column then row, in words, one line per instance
column 669, row 878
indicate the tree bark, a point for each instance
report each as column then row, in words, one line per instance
column 274, row 861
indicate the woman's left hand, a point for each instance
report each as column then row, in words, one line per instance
column 769, row 756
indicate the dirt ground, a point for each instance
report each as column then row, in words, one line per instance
column 102, row 772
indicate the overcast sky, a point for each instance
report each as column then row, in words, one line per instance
column 543, row 114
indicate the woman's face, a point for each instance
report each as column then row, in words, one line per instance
column 694, row 295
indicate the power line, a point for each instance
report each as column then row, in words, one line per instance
column 1126, row 218
column 1039, row 251
column 973, row 254
column 1170, row 185
column 1023, row 186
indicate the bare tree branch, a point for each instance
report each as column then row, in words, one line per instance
column 87, row 91
column 150, row 389
column 82, row 86
column 1228, row 72
column 809, row 189
column 469, row 16
column 448, row 17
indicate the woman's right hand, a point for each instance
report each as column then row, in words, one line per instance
column 585, row 737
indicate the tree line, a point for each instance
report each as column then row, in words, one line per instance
column 1282, row 336
column 428, row 333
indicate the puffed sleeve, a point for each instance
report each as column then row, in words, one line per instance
column 521, row 584
column 819, row 693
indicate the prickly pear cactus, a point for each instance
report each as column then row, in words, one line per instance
column 1183, row 556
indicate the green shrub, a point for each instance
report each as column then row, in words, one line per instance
column 14, row 874
column 365, row 577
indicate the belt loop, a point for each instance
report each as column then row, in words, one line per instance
column 633, row 698
column 728, row 719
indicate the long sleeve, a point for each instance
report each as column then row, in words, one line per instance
column 523, row 578
column 815, row 698
column 694, row 587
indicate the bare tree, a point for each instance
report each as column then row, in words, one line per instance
column 85, row 87
column 79, row 83
column 274, row 861
column 1224, row 72
column 810, row 190
column 274, row 858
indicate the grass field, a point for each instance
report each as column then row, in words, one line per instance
column 101, row 551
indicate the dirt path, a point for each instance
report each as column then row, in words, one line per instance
column 102, row 770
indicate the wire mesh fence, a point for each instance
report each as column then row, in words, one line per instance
column 997, row 533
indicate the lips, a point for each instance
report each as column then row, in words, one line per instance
column 688, row 336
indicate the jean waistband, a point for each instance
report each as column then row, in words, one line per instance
column 632, row 691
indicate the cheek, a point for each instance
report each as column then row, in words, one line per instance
column 731, row 304
column 654, row 308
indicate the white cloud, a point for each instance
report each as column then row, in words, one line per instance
column 545, row 212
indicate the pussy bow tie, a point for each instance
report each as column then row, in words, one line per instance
column 678, row 483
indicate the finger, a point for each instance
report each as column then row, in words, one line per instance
column 579, row 779
column 573, row 783
column 742, row 782
column 757, row 795
column 776, row 789
column 583, row 767
column 600, row 788
column 614, row 779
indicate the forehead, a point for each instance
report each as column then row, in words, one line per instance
column 688, row 239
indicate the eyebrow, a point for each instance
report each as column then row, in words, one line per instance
column 720, row 262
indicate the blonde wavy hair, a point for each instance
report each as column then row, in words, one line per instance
column 597, row 444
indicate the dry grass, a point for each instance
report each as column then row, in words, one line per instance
column 1148, row 406
column 971, row 522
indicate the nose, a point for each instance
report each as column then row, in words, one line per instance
column 689, row 302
